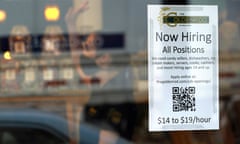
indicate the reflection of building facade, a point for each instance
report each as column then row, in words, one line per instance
column 20, row 40
column 53, row 41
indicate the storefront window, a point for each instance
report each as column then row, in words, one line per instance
column 86, row 63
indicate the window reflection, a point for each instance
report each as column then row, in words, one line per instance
column 94, row 56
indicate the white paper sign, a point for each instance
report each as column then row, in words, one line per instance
column 183, row 67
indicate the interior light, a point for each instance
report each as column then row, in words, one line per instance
column 3, row 15
column 7, row 55
column 52, row 13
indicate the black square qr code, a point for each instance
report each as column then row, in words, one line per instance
column 183, row 99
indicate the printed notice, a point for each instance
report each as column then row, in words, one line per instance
column 183, row 67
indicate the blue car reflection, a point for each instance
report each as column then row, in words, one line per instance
column 32, row 126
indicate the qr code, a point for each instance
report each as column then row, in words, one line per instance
column 183, row 99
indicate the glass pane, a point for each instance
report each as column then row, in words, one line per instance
column 86, row 63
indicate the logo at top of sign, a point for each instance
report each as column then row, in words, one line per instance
column 162, row 14
column 172, row 19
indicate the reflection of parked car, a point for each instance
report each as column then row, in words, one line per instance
column 35, row 127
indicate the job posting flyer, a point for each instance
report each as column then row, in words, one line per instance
column 183, row 67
